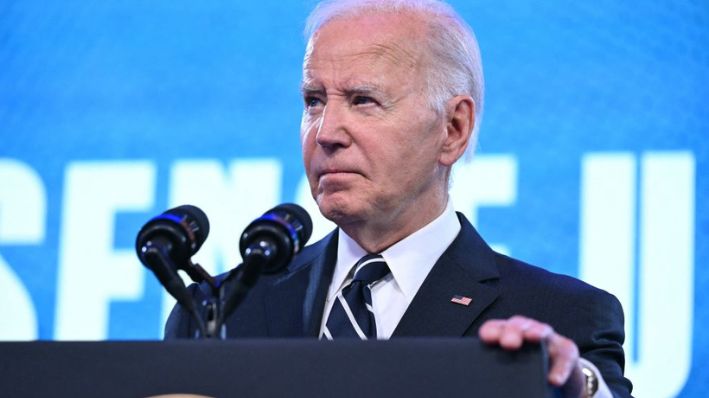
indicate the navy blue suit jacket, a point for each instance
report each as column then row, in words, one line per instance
column 291, row 304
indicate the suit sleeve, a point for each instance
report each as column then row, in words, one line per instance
column 602, row 345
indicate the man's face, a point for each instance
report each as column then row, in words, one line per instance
column 370, row 140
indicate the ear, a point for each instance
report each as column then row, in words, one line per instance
column 460, row 120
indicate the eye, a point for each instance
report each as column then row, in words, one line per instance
column 363, row 100
column 312, row 101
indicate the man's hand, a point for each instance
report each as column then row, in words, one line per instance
column 510, row 334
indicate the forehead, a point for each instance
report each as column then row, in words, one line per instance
column 371, row 41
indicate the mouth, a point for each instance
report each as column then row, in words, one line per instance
column 337, row 177
column 336, row 172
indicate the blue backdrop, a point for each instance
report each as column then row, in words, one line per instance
column 592, row 158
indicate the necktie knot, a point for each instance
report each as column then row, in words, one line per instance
column 370, row 269
column 352, row 314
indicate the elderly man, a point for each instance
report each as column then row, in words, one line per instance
column 392, row 92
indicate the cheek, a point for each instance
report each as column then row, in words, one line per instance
column 308, row 147
column 307, row 140
column 304, row 128
column 411, row 160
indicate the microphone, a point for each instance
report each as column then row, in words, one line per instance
column 178, row 233
column 166, row 243
column 267, row 245
column 277, row 235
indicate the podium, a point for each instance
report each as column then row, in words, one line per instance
column 273, row 368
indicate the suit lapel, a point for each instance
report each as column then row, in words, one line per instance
column 295, row 302
column 461, row 270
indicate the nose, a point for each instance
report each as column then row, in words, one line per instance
column 333, row 132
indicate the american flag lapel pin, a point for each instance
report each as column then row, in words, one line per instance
column 462, row 300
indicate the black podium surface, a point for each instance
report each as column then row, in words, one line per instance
column 272, row 368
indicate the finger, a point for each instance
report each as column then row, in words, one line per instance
column 538, row 331
column 491, row 330
column 514, row 331
column 564, row 357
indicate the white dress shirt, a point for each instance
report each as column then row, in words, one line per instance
column 410, row 260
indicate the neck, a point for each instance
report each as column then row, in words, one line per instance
column 377, row 236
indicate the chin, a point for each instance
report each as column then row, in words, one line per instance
column 339, row 211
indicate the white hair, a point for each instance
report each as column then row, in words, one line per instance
column 457, row 67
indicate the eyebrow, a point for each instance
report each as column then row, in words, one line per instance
column 359, row 89
column 310, row 88
column 363, row 89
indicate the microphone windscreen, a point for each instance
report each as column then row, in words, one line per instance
column 195, row 221
column 305, row 230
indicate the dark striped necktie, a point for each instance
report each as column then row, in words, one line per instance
column 352, row 315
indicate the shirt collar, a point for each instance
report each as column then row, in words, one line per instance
column 410, row 260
